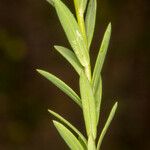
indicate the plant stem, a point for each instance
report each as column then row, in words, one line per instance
column 88, row 72
column 91, row 143
column 81, row 23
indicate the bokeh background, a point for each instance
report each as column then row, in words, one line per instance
column 28, row 31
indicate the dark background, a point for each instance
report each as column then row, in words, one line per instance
column 28, row 31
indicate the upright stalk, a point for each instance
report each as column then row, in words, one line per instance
column 88, row 72
column 79, row 32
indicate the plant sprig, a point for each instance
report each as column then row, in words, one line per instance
column 79, row 31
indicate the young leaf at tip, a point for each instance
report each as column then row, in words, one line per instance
column 68, row 136
column 82, row 138
column 72, row 32
column 101, row 57
column 70, row 57
column 109, row 120
column 61, row 85
column 88, row 105
column 90, row 20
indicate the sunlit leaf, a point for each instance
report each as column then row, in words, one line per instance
column 72, row 32
column 61, row 85
column 88, row 105
column 69, row 125
column 90, row 20
column 110, row 118
column 68, row 137
column 71, row 57
column 101, row 57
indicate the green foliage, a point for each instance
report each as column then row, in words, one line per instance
column 98, row 98
column 101, row 57
column 88, row 105
column 71, row 57
column 111, row 116
column 79, row 33
column 83, row 139
column 90, row 20
column 61, row 85
column 68, row 136
column 72, row 32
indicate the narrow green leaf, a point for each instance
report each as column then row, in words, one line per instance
column 90, row 20
column 68, row 137
column 88, row 105
column 84, row 141
column 51, row 2
column 98, row 98
column 72, row 32
column 110, row 118
column 71, row 57
column 61, row 85
column 101, row 57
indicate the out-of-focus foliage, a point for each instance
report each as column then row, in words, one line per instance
column 13, row 47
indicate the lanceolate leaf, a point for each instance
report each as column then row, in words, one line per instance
column 101, row 57
column 61, row 85
column 88, row 105
column 68, row 137
column 84, row 141
column 90, row 20
column 71, row 57
column 98, row 98
column 72, row 31
column 110, row 118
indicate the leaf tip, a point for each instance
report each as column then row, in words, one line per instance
column 56, row 123
column 51, row 2
column 110, row 26
column 49, row 111
column 39, row 71
column 115, row 106
column 57, row 47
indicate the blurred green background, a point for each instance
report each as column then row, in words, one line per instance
column 28, row 31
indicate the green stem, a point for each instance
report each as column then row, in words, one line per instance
column 91, row 143
column 88, row 72
column 80, row 18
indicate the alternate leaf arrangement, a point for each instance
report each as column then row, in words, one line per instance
column 79, row 32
